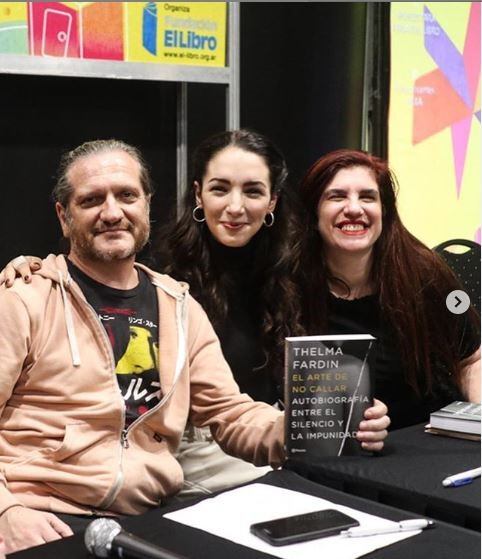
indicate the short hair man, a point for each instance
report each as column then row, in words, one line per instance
column 70, row 441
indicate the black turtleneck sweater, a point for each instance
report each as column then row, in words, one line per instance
column 240, row 333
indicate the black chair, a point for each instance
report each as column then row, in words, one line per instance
column 465, row 265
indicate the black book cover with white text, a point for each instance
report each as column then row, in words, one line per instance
column 327, row 390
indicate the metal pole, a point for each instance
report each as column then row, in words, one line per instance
column 232, row 93
column 366, row 140
column 181, row 148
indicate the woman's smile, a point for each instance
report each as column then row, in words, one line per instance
column 355, row 228
column 350, row 212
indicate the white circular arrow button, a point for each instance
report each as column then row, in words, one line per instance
column 457, row 301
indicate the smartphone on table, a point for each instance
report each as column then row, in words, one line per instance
column 303, row 527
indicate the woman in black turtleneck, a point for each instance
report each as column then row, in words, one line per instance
column 236, row 244
column 231, row 244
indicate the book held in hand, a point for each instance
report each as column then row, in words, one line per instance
column 327, row 390
column 462, row 417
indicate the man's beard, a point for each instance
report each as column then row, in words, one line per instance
column 84, row 245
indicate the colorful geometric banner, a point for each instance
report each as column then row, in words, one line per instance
column 191, row 33
column 434, row 123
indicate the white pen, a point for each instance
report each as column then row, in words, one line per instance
column 461, row 479
column 403, row 526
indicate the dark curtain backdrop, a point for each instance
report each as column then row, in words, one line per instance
column 302, row 69
column 42, row 117
column 301, row 84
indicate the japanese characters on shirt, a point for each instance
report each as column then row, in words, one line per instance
column 130, row 318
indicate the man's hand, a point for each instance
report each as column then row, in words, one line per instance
column 373, row 429
column 22, row 527
column 22, row 266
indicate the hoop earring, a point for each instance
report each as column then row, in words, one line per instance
column 271, row 221
column 196, row 218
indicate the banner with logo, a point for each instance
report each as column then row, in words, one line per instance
column 180, row 32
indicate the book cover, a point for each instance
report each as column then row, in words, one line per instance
column 458, row 416
column 327, row 390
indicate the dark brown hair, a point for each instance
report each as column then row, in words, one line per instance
column 412, row 281
column 184, row 247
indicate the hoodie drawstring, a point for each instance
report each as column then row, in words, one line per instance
column 181, row 336
column 181, row 301
column 69, row 323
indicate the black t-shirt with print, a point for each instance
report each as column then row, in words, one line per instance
column 131, row 320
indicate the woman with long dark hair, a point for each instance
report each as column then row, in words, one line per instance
column 363, row 272
column 235, row 244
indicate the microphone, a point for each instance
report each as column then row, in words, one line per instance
column 105, row 537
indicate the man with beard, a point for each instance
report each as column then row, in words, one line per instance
column 102, row 361
column 76, row 438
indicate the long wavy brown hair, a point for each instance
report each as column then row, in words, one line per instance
column 184, row 248
column 411, row 281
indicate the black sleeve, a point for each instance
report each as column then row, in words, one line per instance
column 468, row 337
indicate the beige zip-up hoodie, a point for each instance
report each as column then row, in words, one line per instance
column 63, row 446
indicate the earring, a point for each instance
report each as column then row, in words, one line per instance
column 271, row 221
column 196, row 218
